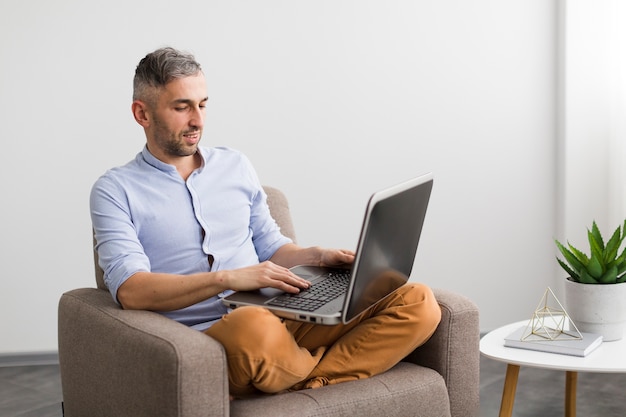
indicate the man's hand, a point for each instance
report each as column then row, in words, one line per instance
column 266, row 274
column 336, row 257
column 290, row 255
column 270, row 274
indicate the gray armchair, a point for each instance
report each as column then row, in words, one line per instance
column 117, row 363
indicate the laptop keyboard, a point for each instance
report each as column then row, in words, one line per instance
column 317, row 294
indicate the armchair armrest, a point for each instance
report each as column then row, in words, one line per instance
column 103, row 350
column 453, row 351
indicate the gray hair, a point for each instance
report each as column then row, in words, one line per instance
column 160, row 67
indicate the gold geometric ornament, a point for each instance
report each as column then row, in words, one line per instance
column 550, row 321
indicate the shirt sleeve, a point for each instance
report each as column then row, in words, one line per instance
column 120, row 254
column 267, row 236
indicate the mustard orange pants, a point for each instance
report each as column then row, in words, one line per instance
column 268, row 354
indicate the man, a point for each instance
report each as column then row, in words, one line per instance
column 181, row 226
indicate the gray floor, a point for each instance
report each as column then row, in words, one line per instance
column 30, row 391
column 35, row 391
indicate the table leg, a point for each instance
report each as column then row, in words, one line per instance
column 508, row 393
column 571, row 380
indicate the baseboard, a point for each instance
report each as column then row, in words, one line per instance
column 29, row 359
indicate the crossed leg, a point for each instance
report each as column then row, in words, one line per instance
column 268, row 354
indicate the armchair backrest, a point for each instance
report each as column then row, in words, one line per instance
column 279, row 208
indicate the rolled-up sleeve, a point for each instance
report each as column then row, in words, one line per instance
column 119, row 251
column 267, row 237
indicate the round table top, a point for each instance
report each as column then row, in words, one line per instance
column 608, row 357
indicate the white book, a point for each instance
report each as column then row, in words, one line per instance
column 563, row 345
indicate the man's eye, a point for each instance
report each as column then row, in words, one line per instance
column 180, row 108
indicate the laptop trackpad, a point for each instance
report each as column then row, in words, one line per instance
column 334, row 306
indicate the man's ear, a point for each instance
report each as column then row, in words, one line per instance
column 141, row 113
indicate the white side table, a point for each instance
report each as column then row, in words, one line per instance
column 608, row 358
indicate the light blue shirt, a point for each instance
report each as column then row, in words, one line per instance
column 147, row 218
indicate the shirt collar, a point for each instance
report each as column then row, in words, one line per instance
column 162, row 166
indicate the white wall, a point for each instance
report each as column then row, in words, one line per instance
column 331, row 99
column 593, row 120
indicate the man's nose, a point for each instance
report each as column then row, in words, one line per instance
column 197, row 118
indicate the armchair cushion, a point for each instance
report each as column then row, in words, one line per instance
column 405, row 390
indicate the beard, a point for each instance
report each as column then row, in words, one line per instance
column 174, row 143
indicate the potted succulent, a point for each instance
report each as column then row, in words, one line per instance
column 595, row 289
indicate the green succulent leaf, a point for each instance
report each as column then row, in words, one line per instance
column 585, row 278
column 620, row 264
column 596, row 236
column 612, row 247
column 622, row 257
column 595, row 268
column 580, row 256
column 570, row 257
column 596, row 245
column 574, row 275
column 610, row 277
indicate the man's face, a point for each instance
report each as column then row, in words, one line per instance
column 176, row 118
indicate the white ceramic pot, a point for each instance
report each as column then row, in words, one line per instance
column 597, row 308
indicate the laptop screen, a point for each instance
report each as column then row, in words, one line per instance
column 387, row 248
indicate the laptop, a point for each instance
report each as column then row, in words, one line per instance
column 384, row 257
